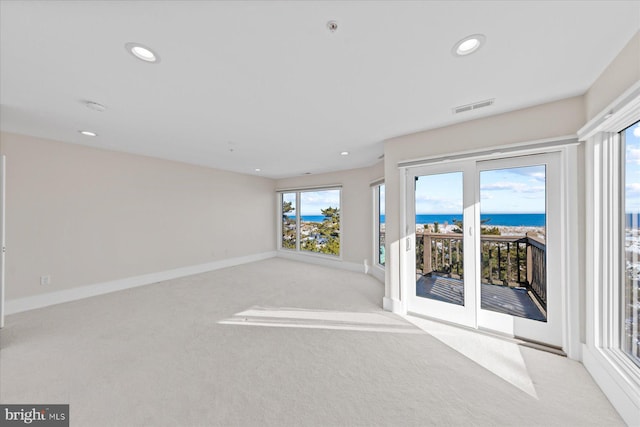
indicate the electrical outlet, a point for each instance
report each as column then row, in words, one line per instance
column 45, row 280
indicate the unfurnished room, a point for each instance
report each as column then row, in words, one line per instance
column 319, row 213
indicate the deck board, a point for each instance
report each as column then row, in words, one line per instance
column 503, row 299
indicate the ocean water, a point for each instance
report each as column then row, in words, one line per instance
column 310, row 218
column 509, row 220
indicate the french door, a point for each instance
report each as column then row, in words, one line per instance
column 486, row 245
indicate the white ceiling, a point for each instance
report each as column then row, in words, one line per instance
column 270, row 82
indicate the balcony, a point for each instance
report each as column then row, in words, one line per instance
column 513, row 272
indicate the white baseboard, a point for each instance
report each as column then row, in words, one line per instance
column 377, row 272
column 622, row 395
column 325, row 261
column 392, row 305
column 51, row 298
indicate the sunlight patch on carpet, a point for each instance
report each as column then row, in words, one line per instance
column 499, row 356
column 280, row 317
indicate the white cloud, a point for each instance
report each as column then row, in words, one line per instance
column 426, row 204
column 633, row 155
column 311, row 202
column 432, row 199
column 539, row 176
column 517, row 187
column 502, row 186
column 636, row 131
column 633, row 189
column 537, row 173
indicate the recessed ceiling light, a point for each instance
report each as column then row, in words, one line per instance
column 142, row 52
column 468, row 45
column 258, row 169
column 88, row 133
column 344, row 153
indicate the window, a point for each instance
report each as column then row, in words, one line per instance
column 311, row 221
column 612, row 247
column 630, row 328
column 378, row 194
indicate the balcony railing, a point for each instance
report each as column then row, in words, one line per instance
column 506, row 260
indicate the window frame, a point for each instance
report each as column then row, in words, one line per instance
column 603, row 356
column 376, row 187
column 622, row 241
column 280, row 216
column 298, row 250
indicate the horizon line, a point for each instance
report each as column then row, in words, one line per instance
column 488, row 213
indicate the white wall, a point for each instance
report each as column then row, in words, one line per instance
column 356, row 210
column 86, row 216
column 620, row 75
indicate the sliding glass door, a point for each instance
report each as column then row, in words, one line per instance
column 486, row 245
column 441, row 214
column 519, row 247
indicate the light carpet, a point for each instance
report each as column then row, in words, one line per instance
column 278, row 343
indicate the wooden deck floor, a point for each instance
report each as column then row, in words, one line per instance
column 503, row 299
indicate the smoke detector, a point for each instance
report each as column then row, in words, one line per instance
column 332, row 26
column 95, row 106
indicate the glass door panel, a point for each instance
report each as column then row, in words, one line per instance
column 519, row 247
column 439, row 270
column 439, row 237
column 512, row 241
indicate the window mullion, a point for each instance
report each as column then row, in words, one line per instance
column 297, row 221
column 616, row 246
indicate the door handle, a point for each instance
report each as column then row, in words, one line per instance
column 408, row 244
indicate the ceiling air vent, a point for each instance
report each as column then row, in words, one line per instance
column 474, row 106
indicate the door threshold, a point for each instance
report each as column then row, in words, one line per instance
column 524, row 342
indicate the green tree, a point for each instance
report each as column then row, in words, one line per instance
column 323, row 237
column 288, row 226
column 493, row 231
column 330, row 231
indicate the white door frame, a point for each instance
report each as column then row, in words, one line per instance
column 569, row 236
column 551, row 331
column 461, row 314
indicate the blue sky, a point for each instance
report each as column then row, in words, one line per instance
column 290, row 197
column 439, row 194
column 632, row 168
column 515, row 190
column 311, row 202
